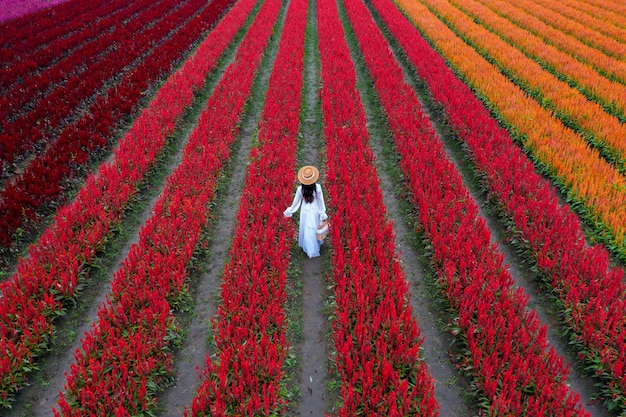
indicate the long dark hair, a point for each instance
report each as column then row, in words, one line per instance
column 308, row 192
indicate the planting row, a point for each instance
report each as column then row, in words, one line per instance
column 38, row 89
column 129, row 348
column 588, row 35
column 596, row 188
column 584, row 116
column 608, row 26
column 605, row 64
column 599, row 10
column 47, row 279
column 22, row 135
column 584, row 76
column 592, row 293
column 23, row 201
column 246, row 376
column 376, row 337
column 21, row 64
column 507, row 353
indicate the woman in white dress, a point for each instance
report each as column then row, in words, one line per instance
column 310, row 200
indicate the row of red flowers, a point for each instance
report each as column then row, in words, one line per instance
column 130, row 345
column 592, row 293
column 22, row 64
column 508, row 354
column 37, row 128
column 35, row 30
column 101, row 43
column 377, row 339
column 47, row 279
column 250, row 327
column 34, row 190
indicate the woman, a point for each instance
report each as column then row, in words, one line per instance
column 310, row 199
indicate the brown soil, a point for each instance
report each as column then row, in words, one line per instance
column 313, row 349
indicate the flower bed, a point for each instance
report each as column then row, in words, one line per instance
column 42, row 182
column 47, row 279
column 591, row 292
column 588, row 35
column 28, row 131
column 606, row 90
column 582, row 115
column 130, row 345
column 578, row 49
column 23, row 61
column 594, row 187
column 250, row 325
column 62, row 61
column 507, row 351
column 376, row 337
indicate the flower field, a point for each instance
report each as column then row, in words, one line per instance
column 473, row 161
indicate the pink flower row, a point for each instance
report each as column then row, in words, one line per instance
column 16, row 8
column 47, row 279
column 508, row 353
column 130, row 345
column 592, row 293
column 250, row 326
column 377, row 339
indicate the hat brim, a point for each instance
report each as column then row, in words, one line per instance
column 308, row 175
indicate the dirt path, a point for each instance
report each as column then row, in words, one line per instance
column 197, row 345
column 522, row 276
column 39, row 398
column 312, row 347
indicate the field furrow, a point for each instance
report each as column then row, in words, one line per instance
column 582, row 115
column 51, row 177
column 611, row 95
column 247, row 374
column 594, row 187
column 607, row 65
column 581, row 276
column 138, row 361
column 587, row 35
column 470, row 268
column 472, row 159
column 376, row 338
column 47, row 280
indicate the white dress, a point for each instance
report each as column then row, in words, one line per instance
column 311, row 215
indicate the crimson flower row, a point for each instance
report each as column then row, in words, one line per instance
column 47, row 279
column 30, row 31
column 376, row 337
column 58, row 64
column 36, row 128
column 245, row 378
column 592, row 293
column 507, row 348
column 23, row 64
column 42, row 182
column 154, row 272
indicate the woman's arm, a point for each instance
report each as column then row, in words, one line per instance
column 321, row 206
column 297, row 199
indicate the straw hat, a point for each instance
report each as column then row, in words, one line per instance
column 308, row 175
